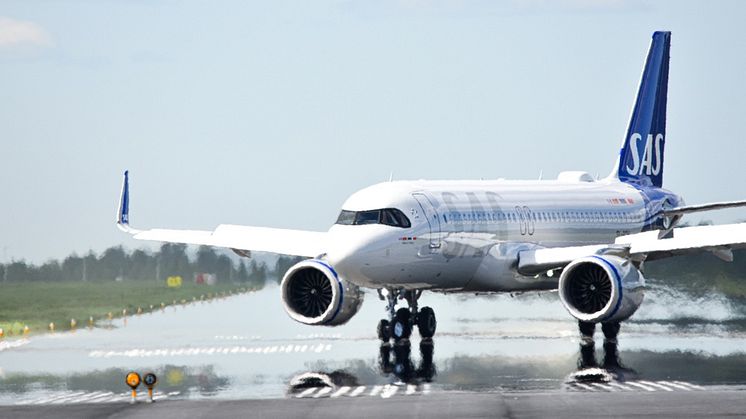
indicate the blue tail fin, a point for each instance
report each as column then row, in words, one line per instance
column 641, row 157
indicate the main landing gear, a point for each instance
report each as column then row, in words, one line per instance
column 589, row 369
column 400, row 323
column 587, row 345
column 611, row 331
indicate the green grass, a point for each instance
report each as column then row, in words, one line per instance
column 36, row 304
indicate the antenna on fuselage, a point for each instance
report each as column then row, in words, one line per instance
column 391, row 176
column 541, row 174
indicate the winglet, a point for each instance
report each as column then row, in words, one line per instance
column 123, row 212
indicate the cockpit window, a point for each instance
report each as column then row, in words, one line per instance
column 368, row 217
column 346, row 218
column 387, row 216
column 394, row 217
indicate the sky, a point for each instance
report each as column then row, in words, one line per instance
column 273, row 113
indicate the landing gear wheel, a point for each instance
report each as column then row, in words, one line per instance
column 402, row 326
column 384, row 330
column 426, row 322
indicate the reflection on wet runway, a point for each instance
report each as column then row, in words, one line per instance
column 246, row 347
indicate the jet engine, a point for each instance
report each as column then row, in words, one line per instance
column 601, row 288
column 314, row 294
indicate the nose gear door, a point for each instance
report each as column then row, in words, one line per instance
column 431, row 215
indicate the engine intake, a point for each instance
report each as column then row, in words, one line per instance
column 314, row 294
column 601, row 289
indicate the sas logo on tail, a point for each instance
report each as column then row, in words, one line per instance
column 651, row 162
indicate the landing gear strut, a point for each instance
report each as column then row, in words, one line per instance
column 610, row 329
column 400, row 322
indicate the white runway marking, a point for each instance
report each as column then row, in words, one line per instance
column 57, row 397
column 621, row 386
column 694, row 386
column 357, row 391
column 375, row 390
column 646, row 385
column 604, row 387
column 78, row 397
column 223, row 350
column 388, row 391
column 99, row 397
column 642, row 386
column 410, row 389
column 652, row 384
column 674, row 385
column 307, row 392
column 341, row 391
column 323, row 392
column 10, row 344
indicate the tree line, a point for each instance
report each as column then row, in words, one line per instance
column 116, row 263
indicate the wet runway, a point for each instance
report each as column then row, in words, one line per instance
column 245, row 347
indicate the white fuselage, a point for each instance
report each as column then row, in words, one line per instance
column 466, row 235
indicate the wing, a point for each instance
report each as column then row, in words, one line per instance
column 245, row 238
column 719, row 239
column 703, row 207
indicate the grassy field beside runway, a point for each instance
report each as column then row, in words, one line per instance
column 36, row 304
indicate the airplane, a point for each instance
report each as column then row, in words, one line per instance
column 586, row 238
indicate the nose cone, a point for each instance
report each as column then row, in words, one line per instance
column 352, row 247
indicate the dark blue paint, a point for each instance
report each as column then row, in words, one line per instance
column 619, row 284
column 648, row 115
column 124, row 216
column 341, row 289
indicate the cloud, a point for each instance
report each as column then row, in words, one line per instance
column 17, row 32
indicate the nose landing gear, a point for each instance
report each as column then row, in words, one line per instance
column 400, row 323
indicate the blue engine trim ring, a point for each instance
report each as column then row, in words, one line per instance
column 341, row 289
column 619, row 284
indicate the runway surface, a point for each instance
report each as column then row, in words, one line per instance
column 517, row 353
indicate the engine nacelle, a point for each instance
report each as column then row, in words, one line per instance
column 601, row 288
column 314, row 294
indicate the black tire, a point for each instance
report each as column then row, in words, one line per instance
column 402, row 326
column 384, row 330
column 426, row 322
